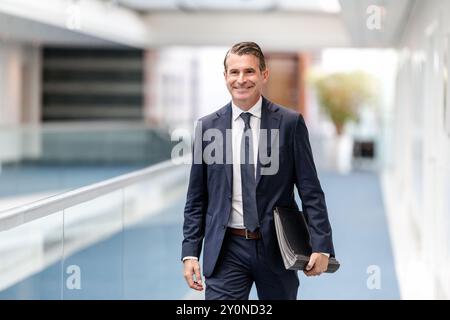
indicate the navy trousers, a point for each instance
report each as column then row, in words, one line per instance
column 241, row 263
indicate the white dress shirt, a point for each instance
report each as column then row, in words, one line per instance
column 237, row 129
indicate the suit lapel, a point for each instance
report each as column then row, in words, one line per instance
column 223, row 123
column 270, row 119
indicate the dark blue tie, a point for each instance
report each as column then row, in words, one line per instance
column 248, row 176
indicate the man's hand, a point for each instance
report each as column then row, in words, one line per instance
column 317, row 264
column 191, row 268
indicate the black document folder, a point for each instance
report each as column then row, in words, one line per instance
column 294, row 239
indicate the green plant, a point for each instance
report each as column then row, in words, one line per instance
column 341, row 94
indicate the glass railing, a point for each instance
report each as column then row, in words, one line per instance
column 37, row 162
column 116, row 239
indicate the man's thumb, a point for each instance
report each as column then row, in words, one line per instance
column 310, row 265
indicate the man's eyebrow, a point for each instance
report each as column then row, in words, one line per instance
column 246, row 69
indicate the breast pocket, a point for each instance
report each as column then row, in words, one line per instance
column 215, row 174
column 273, row 161
column 215, row 168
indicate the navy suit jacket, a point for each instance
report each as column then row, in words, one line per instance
column 208, row 203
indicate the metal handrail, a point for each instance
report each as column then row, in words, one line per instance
column 15, row 217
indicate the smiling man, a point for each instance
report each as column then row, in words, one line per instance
column 245, row 76
column 229, row 206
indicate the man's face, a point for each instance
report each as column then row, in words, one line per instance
column 244, row 79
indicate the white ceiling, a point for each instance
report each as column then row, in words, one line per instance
column 394, row 17
column 280, row 31
column 76, row 22
column 287, row 24
column 331, row 6
column 15, row 29
column 276, row 24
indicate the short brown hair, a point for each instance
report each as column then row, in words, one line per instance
column 242, row 48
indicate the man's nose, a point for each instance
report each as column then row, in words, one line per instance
column 241, row 78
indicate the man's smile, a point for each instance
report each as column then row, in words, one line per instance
column 243, row 88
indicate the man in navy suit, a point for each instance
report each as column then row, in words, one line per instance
column 233, row 190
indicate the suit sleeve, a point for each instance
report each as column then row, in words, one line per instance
column 310, row 191
column 196, row 201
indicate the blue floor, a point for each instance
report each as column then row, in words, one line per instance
column 361, row 240
column 25, row 179
column 143, row 262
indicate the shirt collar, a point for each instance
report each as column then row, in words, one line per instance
column 255, row 110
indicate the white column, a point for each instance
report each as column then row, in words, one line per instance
column 10, row 83
column 20, row 100
column 31, row 85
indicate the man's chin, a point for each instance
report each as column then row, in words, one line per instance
column 242, row 100
column 244, row 95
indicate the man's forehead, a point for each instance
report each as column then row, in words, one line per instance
column 242, row 61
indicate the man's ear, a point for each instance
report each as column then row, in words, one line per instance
column 266, row 75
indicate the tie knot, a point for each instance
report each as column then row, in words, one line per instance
column 246, row 117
